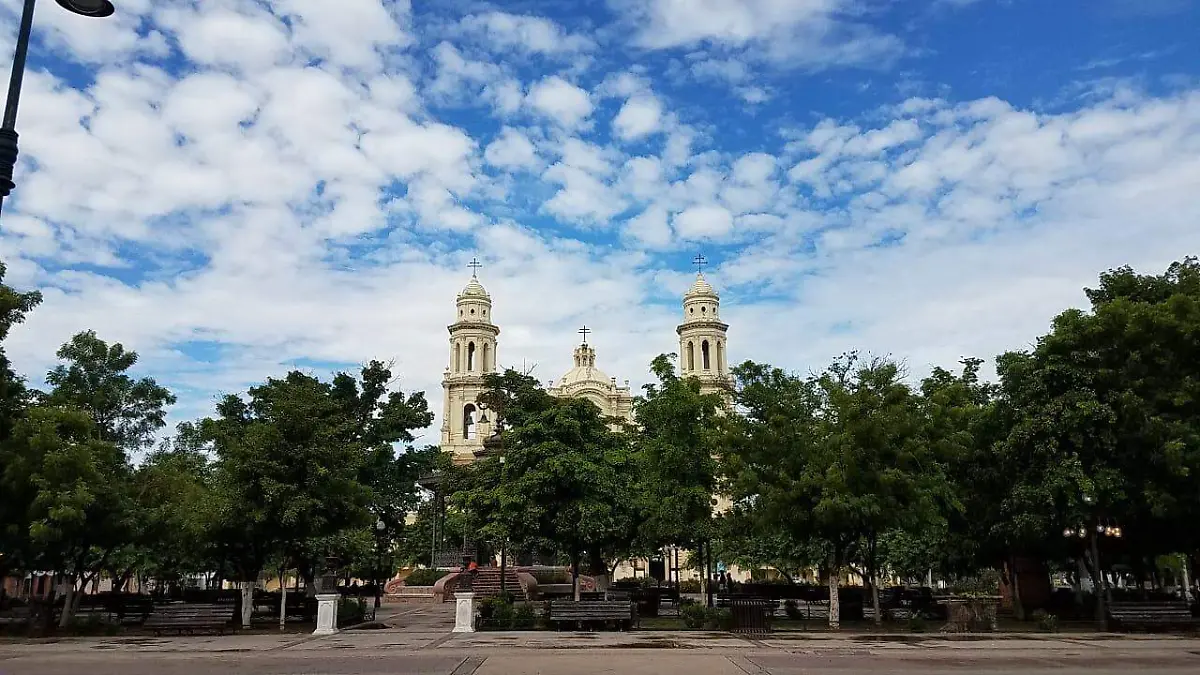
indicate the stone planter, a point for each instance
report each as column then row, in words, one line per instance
column 971, row 615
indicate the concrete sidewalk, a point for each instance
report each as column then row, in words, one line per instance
column 411, row 652
column 422, row 633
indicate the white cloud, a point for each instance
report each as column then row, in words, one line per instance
column 703, row 222
column 224, row 37
column 794, row 33
column 650, row 228
column 561, row 101
column 512, row 149
column 585, row 196
column 525, row 33
column 639, row 117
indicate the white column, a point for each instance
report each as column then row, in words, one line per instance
column 326, row 614
column 464, row 615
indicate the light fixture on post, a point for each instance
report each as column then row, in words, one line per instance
column 96, row 8
column 8, row 130
column 380, row 526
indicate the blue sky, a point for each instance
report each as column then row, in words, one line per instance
column 235, row 188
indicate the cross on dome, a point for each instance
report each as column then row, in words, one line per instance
column 474, row 265
column 699, row 261
column 584, row 331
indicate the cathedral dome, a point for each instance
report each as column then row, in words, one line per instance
column 585, row 371
column 474, row 289
column 584, row 375
column 701, row 287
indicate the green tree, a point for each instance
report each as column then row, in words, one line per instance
column 1107, row 405
column 567, row 479
column 173, row 495
column 303, row 463
column 14, row 398
column 79, row 509
column 676, row 440
column 842, row 458
column 14, row 305
column 95, row 379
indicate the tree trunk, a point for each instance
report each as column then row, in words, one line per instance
column 874, row 571
column 247, row 602
column 835, row 608
column 125, row 576
column 282, row 600
column 1015, row 588
column 64, row 619
column 875, row 598
column 575, row 577
column 703, row 573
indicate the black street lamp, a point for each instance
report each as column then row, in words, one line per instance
column 8, row 132
column 380, row 526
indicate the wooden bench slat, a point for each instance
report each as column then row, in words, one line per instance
column 189, row 616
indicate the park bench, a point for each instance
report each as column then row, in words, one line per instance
column 133, row 610
column 14, row 615
column 618, row 594
column 190, row 617
column 593, row 612
column 93, row 613
column 1152, row 615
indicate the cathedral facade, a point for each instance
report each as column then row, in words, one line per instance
column 473, row 354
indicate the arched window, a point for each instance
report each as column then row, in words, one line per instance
column 691, row 356
column 470, row 357
column 704, row 353
column 457, row 358
column 486, row 358
column 720, row 358
column 468, row 430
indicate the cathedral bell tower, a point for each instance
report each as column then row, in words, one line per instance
column 472, row 355
column 702, row 336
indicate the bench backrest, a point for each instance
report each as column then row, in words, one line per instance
column 189, row 611
column 607, row 608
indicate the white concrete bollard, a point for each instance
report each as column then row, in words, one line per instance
column 327, row 604
column 464, row 614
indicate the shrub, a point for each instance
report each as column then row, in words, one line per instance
column 689, row 586
column 1046, row 622
column 502, row 616
column 694, row 615
column 719, row 619
column 699, row 617
column 792, row 609
column 423, row 577
column 544, row 576
column 986, row 583
column 523, row 617
column 916, row 623
column 489, row 606
column 351, row 611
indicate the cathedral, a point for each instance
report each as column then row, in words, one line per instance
column 474, row 340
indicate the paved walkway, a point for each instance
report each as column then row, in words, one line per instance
column 419, row 641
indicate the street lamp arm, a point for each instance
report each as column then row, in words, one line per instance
column 8, row 130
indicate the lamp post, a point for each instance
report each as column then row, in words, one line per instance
column 380, row 526
column 503, row 544
column 1092, row 531
column 8, row 132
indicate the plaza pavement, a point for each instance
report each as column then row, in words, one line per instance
column 419, row 641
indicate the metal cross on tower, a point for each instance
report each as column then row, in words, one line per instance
column 699, row 261
column 584, row 331
column 474, row 265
